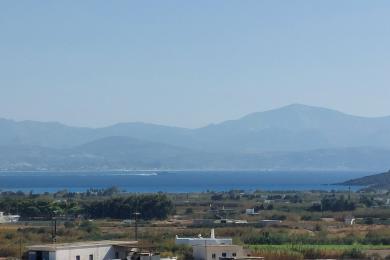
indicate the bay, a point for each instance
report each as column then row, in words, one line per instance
column 177, row 181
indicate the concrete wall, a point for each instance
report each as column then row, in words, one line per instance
column 150, row 257
column 99, row 253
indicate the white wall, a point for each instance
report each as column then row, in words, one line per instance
column 206, row 252
column 99, row 253
column 152, row 257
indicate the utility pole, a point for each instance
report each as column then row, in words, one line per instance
column 349, row 192
column 54, row 228
column 136, row 214
column 20, row 243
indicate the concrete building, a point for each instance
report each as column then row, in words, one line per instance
column 217, row 252
column 96, row 250
column 212, row 240
column 144, row 256
column 221, row 252
column 251, row 212
column 214, row 248
column 8, row 218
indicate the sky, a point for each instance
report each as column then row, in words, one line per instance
column 190, row 63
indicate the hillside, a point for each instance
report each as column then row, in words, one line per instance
column 129, row 153
column 105, row 153
column 381, row 180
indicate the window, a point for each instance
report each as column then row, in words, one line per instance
column 213, row 256
column 77, row 257
column 234, row 254
column 90, row 257
column 223, row 254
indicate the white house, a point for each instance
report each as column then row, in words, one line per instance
column 213, row 248
column 216, row 252
column 8, row 218
column 95, row 250
column 212, row 240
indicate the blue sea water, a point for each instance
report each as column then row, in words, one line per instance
column 176, row 181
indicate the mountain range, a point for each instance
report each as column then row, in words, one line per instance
column 292, row 137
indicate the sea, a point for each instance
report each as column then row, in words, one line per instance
column 177, row 181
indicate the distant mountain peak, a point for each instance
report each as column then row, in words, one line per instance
column 296, row 107
column 291, row 112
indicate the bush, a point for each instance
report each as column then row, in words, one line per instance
column 153, row 206
column 353, row 253
column 42, row 230
column 89, row 227
column 8, row 250
column 9, row 236
column 378, row 237
column 69, row 224
column 189, row 211
column 331, row 203
column 368, row 221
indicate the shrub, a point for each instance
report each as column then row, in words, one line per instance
column 353, row 253
column 89, row 227
column 69, row 224
column 368, row 221
column 9, row 236
column 189, row 210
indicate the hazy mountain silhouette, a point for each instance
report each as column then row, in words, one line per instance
column 298, row 127
column 295, row 136
column 295, row 127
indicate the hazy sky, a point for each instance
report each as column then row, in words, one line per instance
column 190, row 63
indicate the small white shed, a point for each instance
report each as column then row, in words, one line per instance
column 350, row 220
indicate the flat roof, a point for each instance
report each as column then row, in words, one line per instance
column 218, row 245
column 203, row 238
column 75, row 245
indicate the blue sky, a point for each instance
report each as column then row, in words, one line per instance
column 190, row 63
